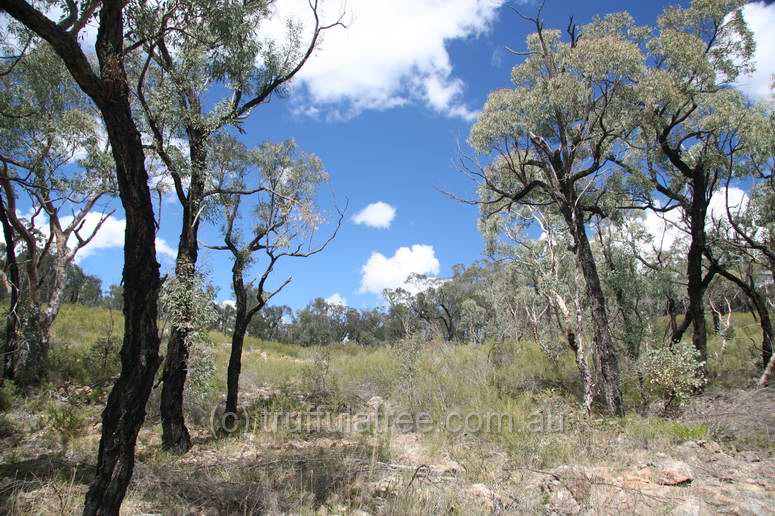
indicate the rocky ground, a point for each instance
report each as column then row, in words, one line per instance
column 326, row 472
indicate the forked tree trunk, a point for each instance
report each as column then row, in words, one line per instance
column 573, row 335
column 30, row 366
column 604, row 348
column 760, row 305
column 125, row 410
column 576, row 342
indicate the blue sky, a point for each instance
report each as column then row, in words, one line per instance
column 387, row 127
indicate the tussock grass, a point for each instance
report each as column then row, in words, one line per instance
column 292, row 472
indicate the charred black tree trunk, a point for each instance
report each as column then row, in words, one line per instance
column 696, row 283
column 12, row 318
column 175, row 435
column 604, row 348
column 233, row 374
column 124, row 413
column 241, row 320
column 672, row 313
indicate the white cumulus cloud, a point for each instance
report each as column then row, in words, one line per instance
column 376, row 215
column 760, row 18
column 667, row 228
column 380, row 272
column 109, row 236
column 391, row 53
column 336, row 299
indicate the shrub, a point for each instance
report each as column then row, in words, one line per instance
column 66, row 421
column 70, row 363
column 7, row 426
column 672, row 373
column 7, row 396
column 186, row 302
column 201, row 392
column 319, row 383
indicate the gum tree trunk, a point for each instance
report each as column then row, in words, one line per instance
column 233, row 374
column 12, row 318
column 759, row 304
column 175, row 435
column 124, row 413
column 241, row 321
column 605, row 354
column 696, row 285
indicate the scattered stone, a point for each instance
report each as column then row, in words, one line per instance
column 672, row 473
column 490, row 501
column 385, row 487
column 561, row 501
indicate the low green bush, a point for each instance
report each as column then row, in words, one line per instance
column 66, row 422
column 7, row 396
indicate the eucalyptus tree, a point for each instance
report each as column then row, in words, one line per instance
column 268, row 323
column 435, row 304
column 740, row 249
column 745, row 274
column 400, row 311
column 192, row 49
column 550, row 138
column 628, row 281
column 689, row 137
column 548, row 266
column 269, row 220
column 742, row 239
column 514, row 305
column 48, row 128
column 319, row 324
column 105, row 82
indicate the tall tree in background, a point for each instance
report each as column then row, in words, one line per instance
column 283, row 218
column 49, row 125
column 188, row 47
column 107, row 86
column 689, row 135
column 741, row 245
column 551, row 137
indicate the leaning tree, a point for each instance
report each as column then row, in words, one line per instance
column 105, row 82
